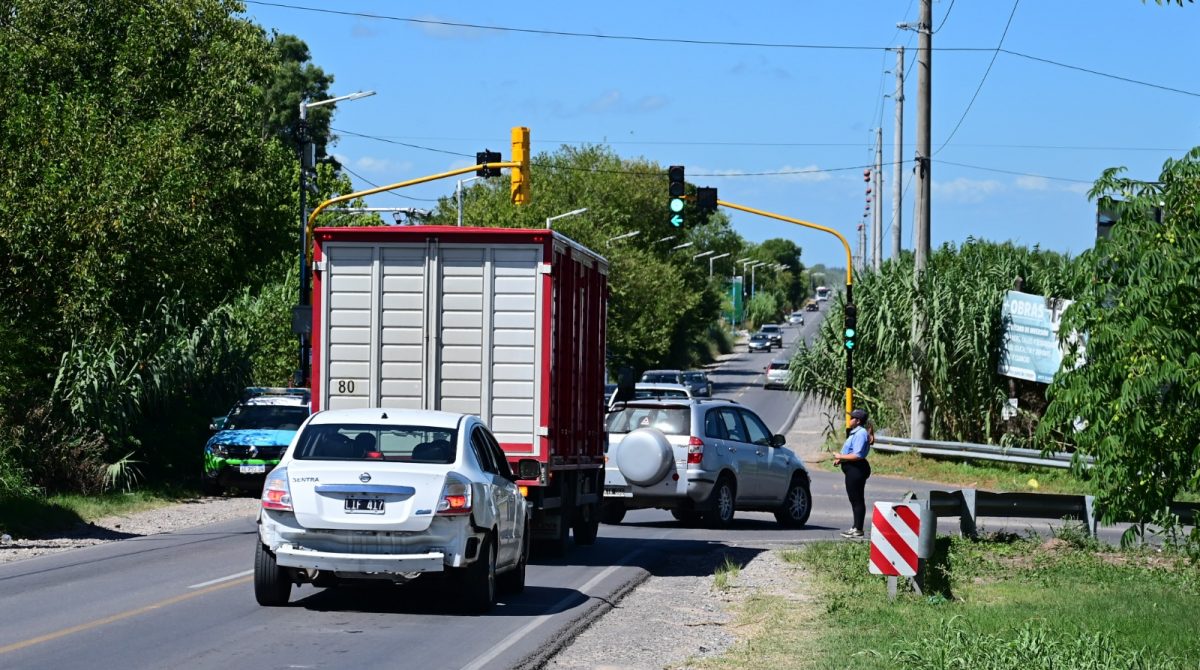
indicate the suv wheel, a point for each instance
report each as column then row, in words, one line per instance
column 272, row 584
column 721, row 501
column 797, row 505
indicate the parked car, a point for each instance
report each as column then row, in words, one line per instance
column 759, row 342
column 249, row 441
column 390, row 494
column 697, row 381
column 644, row 391
column 777, row 374
column 774, row 331
column 796, row 318
column 702, row 460
column 662, row 377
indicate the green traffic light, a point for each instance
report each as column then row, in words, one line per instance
column 676, row 204
column 849, row 332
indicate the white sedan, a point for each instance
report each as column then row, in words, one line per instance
column 390, row 494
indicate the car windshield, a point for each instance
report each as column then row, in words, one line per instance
column 759, row 337
column 670, row 420
column 779, row 366
column 266, row 417
column 660, row 377
column 366, row 442
column 694, row 376
column 770, row 329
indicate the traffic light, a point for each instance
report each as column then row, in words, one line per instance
column 676, row 190
column 706, row 199
column 851, row 327
column 520, row 174
column 485, row 156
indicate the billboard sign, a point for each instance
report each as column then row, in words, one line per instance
column 1029, row 347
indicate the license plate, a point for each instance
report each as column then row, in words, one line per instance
column 618, row 493
column 252, row 469
column 364, row 505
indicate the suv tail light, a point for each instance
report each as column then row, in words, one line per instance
column 695, row 450
column 276, row 493
column 456, row 496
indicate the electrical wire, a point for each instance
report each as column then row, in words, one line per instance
column 944, row 17
column 372, row 184
column 983, row 79
column 1013, row 172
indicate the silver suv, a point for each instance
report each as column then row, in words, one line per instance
column 702, row 460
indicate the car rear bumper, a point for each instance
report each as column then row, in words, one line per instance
column 392, row 564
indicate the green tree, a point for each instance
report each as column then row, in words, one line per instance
column 1129, row 397
column 295, row 78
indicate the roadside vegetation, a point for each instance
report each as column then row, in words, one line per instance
column 1001, row 603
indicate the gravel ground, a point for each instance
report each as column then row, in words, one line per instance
column 196, row 512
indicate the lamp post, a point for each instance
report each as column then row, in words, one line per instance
column 702, row 254
column 626, row 236
column 753, row 280
column 711, row 260
column 681, row 246
column 301, row 320
column 458, row 194
column 668, row 238
column 573, row 212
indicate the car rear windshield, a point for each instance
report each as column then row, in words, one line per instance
column 779, row 366
column 644, row 394
column 770, row 328
column 694, row 376
column 670, row 420
column 660, row 378
column 266, row 417
column 366, row 442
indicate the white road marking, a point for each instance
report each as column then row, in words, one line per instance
column 218, row 580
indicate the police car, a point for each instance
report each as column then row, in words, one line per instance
column 248, row 442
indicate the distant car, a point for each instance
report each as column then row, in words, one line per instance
column 796, row 318
column 662, row 377
column 774, row 332
column 759, row 342
column 698, row 382
column 777, row 374
column 812, row 307
column 390, row 494
column 652, row 391
column 249, row 441
column 702, row 460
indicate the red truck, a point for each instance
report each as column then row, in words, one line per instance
column 507, row 324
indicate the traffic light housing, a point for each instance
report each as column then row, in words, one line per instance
column 676, row 189
column 520, row 175
column 850, row 331
column 484, row 157
column 706, row 199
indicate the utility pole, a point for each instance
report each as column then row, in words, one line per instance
column 877, row 230
column 897, row 154
column 919, row 424
column 862, row 246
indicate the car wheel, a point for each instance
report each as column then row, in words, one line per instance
column 686, row 517
column 513, row 581
column 587, row 525
column 797, row 505
column 272, row 584
column 612, row 512
column 721, row 503
column 478, row 580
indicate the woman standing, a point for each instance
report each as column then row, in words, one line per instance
column 853, row 461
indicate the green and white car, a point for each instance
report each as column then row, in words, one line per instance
column 249, row 441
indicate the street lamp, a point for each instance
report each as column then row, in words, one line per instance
column 753, row 268
column 702, row 254
column 668, row 238
column 711, row 260
column 622, row 237
column 301, row 319
column 573, row 212
column 458, row 194
column 681, row 246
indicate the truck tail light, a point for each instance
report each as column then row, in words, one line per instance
column 276, row 494
column 456, row 496
column 695, row 450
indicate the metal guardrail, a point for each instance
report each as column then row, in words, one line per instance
column 968, row 451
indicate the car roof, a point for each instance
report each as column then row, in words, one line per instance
column 768, row 325
column 390, row 416
column 674, row 402
column 661, row 372
column 695, row 372
column 758, row 334
column 286, row 401
column 779, row 361
column 650, row 386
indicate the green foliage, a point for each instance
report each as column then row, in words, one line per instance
column 296, row 78
column 1137, row 385
column 762, row 308
column 961, row 292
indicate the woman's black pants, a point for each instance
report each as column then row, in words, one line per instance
column 856, row 473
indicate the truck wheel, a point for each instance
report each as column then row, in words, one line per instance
column 477, row 581
column 556, row 547
column 587, row 525
column 612, row 512
column 721, row 503
column 513, row 581
column 797, row 505
column 272, row 584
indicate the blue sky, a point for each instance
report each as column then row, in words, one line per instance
column 1043, row 132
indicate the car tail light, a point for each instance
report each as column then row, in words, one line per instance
column 456, row 496
column 276, row 494
column 695, row 450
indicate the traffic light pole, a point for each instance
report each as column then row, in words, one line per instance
column 850, row 308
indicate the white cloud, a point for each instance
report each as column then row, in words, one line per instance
column 606, row 102
column 440, row 31
column 380, row 165
column 362, row 29
column 969, row 191
column 1031, row 183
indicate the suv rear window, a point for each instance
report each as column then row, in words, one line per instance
column 670, row 420
column 365, row 442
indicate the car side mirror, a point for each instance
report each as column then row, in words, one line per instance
column 778, row 440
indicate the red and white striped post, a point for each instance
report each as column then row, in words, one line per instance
column 895, row 529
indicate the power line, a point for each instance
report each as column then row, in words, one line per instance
column 403, row 144
column 983, row 79
column 1013, row 172
column 374, row 185
column 1100, row 74
column 944, row 17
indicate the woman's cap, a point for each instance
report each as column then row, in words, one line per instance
column 860, row 414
